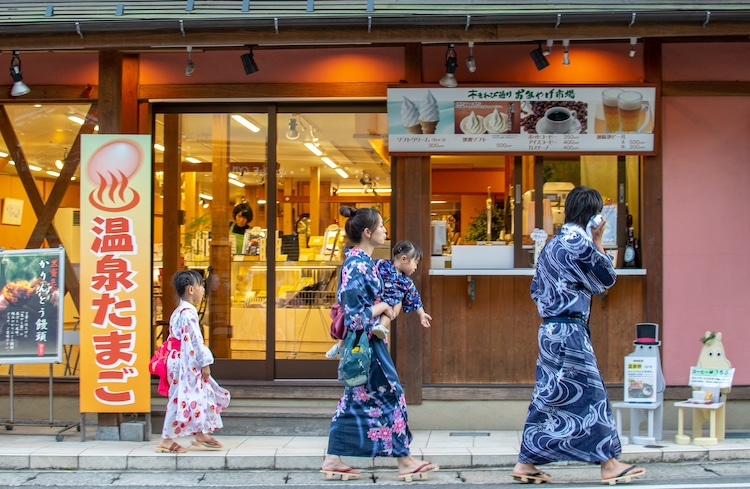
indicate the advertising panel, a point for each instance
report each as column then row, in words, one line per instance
column 525, row 120
column 640, row 379
column 116, row 273
column 31, row 305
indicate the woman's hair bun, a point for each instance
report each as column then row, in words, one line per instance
column 347, row 211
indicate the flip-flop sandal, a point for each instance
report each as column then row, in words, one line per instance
column 343, row 474
column 207, row 444
column 625, row 476
column 420, row 473
column 173, row 448
column 535, row 478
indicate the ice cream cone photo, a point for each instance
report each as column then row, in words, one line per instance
column 410, row 116
column 429, row 114
column 428, row 127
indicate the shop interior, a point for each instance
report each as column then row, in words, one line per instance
column 326, row 157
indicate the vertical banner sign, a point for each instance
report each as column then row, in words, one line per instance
column 31, row 305
column 115, row 273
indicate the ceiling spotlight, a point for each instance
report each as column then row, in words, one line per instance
column 471, row 64
column 449, row 79
column 292, row 133
column 548, row 50
column 566, row 58
column 248, row 62
column 633, row 43
column 539, row 60
column 19, row 87
column 189, row 67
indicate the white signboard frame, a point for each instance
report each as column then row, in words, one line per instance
column 641, row 375
column 519, row 120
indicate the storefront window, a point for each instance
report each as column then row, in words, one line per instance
column 325, row 160
column 44, row 134
column 616, row 178
column 289, row 257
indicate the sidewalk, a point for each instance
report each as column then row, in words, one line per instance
column 35, row 448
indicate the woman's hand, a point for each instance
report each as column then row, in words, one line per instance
column 206, row 372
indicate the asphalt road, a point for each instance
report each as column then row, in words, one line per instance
column 679, row 475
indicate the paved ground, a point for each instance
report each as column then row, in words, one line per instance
column 36, row 448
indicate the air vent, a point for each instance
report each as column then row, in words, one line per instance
column 77, row 217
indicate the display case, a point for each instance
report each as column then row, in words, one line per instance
column 304, row 293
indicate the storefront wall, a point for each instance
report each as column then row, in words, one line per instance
column 704, row 148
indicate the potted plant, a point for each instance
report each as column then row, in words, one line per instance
column 477, row 228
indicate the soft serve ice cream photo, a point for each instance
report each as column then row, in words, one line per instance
column 497, row 122
column 486, row 117
column 429, row 113
column 472, row 124
column 410, row 117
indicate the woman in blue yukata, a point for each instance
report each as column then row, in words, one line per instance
column 370, row 420
column 569, row 417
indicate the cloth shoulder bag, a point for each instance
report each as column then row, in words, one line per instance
column 338, row 330
column 158, row 363
column 354, row 366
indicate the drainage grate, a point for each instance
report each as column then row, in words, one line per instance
column 469, row 433
column 737, row 434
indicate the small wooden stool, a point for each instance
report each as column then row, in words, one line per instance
column 698, row 438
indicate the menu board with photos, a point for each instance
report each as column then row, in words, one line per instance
column 31, row 305
column 544, row 119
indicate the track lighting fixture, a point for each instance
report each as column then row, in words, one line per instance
column 248, row 62
column 292, row 133
column 548, row 50
column 539, row 60
column 189, row 67
column 449, row 79
column 633, row 43
column 566, row 58
column 19, row 87
column 471, row 64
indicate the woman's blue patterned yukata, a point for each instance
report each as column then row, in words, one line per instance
column 370, row 419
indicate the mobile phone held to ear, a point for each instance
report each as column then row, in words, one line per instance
column 594, row 222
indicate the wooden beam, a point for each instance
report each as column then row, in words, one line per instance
column 262, row 90
column 232, row 37
column 54, row 93
column 705, row 88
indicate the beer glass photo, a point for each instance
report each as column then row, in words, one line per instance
column 611, row 109
column 630, row 105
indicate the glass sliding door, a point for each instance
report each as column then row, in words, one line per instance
column 269, row 287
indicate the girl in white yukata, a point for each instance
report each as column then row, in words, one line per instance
column 195, row 399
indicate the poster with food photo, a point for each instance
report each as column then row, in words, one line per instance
column 486, row 117
column 30, row 306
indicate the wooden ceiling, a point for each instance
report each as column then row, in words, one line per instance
column 143, row 25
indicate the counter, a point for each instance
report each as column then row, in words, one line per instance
column 515, row 271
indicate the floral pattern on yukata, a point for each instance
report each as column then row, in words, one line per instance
column 398, row 287
column 370, row 419
column 194, row 404
column 569, row 417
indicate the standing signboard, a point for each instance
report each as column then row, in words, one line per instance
column 641, row 378
column 116, row 274
column 31, row 305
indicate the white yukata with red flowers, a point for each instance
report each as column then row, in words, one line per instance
column 194, row 404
